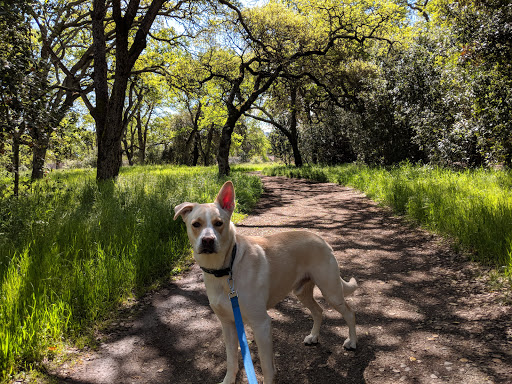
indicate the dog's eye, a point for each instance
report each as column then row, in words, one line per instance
column 196, row 224
column 218, row 223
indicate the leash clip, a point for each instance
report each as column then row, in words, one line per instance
column 231, row 284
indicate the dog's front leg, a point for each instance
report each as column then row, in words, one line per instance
column 262, row 331
column 231, row 341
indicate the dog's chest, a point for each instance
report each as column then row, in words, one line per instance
column 218, row 298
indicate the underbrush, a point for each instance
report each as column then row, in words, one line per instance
column 474, row 207
column 71, row 250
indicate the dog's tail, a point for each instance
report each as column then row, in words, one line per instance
column 350, row 287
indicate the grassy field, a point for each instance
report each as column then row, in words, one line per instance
column 72, row 250
column 474, row 207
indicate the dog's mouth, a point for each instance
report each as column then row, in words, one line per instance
column 207, row 250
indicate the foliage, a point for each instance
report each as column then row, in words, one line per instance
column 253, row 144
column 22, row 100
column 484, row 31
column 427, row 103
column 382, row 81
column 280, row 146
column 473, row 206
column 71, row 250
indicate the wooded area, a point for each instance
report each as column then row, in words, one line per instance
column 193, row 82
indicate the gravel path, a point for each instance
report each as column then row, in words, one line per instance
column 424, row 314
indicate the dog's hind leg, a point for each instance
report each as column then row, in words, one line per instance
column 305, row 295
column 332, row 289
column 350, row 317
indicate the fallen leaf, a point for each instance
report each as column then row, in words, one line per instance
column 412, row 358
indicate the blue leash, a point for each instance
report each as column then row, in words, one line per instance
column 242, row 339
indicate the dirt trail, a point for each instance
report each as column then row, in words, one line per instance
column 424, row 315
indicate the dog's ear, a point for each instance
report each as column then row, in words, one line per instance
column 226, row 197
column 183, row 210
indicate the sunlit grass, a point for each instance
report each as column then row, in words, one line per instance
column 71, row 249
column 474, row 207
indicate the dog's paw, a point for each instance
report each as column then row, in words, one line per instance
column 311, row 340
column 349, row 345
column 229, row 379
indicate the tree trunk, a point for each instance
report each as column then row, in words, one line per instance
column 108, row 112
column 109, row 130
column 195, row 157
column 294, row 135
column 129, row 151
column 38, row 157
column 109, row 155
column 142, row 149
column 209, row 139
column 16, row 162
column 297, row 158
column 225, row 142
column 109, row 135
column 188, row 148
column 142, row 134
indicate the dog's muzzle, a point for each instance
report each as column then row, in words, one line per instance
column 208, row 245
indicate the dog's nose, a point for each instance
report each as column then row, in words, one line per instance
column 208, row 243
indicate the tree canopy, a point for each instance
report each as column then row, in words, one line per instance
column 199, row 82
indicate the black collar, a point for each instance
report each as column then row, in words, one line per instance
column 225, row 271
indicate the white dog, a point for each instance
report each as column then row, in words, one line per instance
column 265, row 270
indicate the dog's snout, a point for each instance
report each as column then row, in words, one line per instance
column 208, row 244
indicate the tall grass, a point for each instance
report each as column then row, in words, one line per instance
column 473, row 206
column 71, row 250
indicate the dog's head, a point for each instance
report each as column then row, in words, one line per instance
column 209, row 226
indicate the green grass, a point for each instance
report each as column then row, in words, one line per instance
column 71, row 250
column 474, row 207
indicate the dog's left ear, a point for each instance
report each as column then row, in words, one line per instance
column 226, row 197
